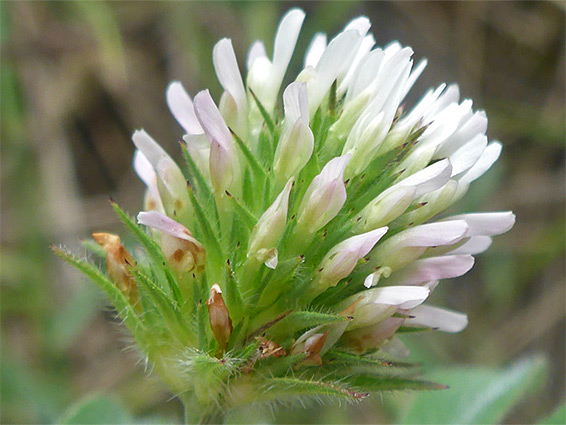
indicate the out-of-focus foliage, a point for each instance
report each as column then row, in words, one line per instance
column 78, row 77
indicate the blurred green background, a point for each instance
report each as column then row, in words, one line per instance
column 78, row 77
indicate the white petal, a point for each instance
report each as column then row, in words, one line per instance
column 257, row 50
column 438, row 318
column 435, row 268
column 147, row 174
column 415, row 74
column 465, row 157
column 273, row 260
column 485, row 161
column 367, row 43
column 161, row 222
column 360, row 24
column 475, row 245
column 335, row 59
column 143, row 168
column 181, row 106
column 271, row 224
column 403, row 297
column 430, row 178
column 449, row 96
column 295, row 103
column 285, row 41
column 162, row 163
column 315, row 50
column 470, row 127
column 487, row 224
column 152, row 151
column 366, row 73
column 444, row 124
column 227, row 70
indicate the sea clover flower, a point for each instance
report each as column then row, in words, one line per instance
column 298, row 241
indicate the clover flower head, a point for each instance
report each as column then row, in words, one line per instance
column 304, row 230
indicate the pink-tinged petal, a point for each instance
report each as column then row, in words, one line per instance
column 165, row 224
column 438, row 318
column 343, row 258
column 371, row 337
column 224, row 165
column 227, row 70
column 475, row 245
column 485, row 161
column 435, row 268
column 433, row 234
column 181, row 106
column 315, row 50
column 487, row 224
column 325, row 196
column 405, row 247
column 333, row 170
column 211, row 120
column 431, row 286
column 257, row 50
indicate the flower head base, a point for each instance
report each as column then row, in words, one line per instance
column 311, row 232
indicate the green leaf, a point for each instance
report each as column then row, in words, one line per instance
column 264, row 113
column 209, row 236
column 299, row 320
column 255, row 165
column 170, row 312
column 372, row 383
column 152, row 249
column 97, row 409
column 476, row 395
column 245, row 215
column 296, row 387
column 125, row 310
column 91, row 246
column 202, row 186
column 233, row 297
column 344, row 358
column 558, row 417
